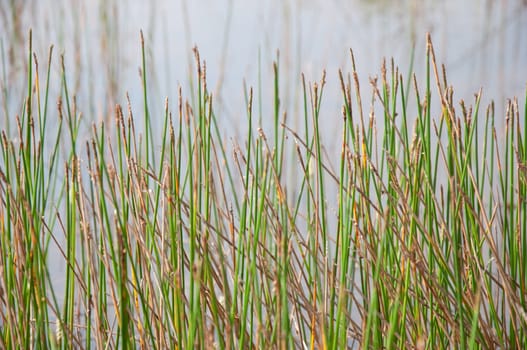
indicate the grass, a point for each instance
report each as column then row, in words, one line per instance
column 171, row 237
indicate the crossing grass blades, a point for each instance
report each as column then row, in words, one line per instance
column 174, row 237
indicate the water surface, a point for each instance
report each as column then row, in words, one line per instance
column 482, row 43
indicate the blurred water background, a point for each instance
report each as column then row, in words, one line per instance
column 483, row 44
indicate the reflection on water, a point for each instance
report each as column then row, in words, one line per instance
column 482, row 43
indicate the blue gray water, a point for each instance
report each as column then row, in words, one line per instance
column 482, row 43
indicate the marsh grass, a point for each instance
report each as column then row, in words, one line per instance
column 173, row 237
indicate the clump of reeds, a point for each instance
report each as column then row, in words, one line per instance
column 173, row 238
